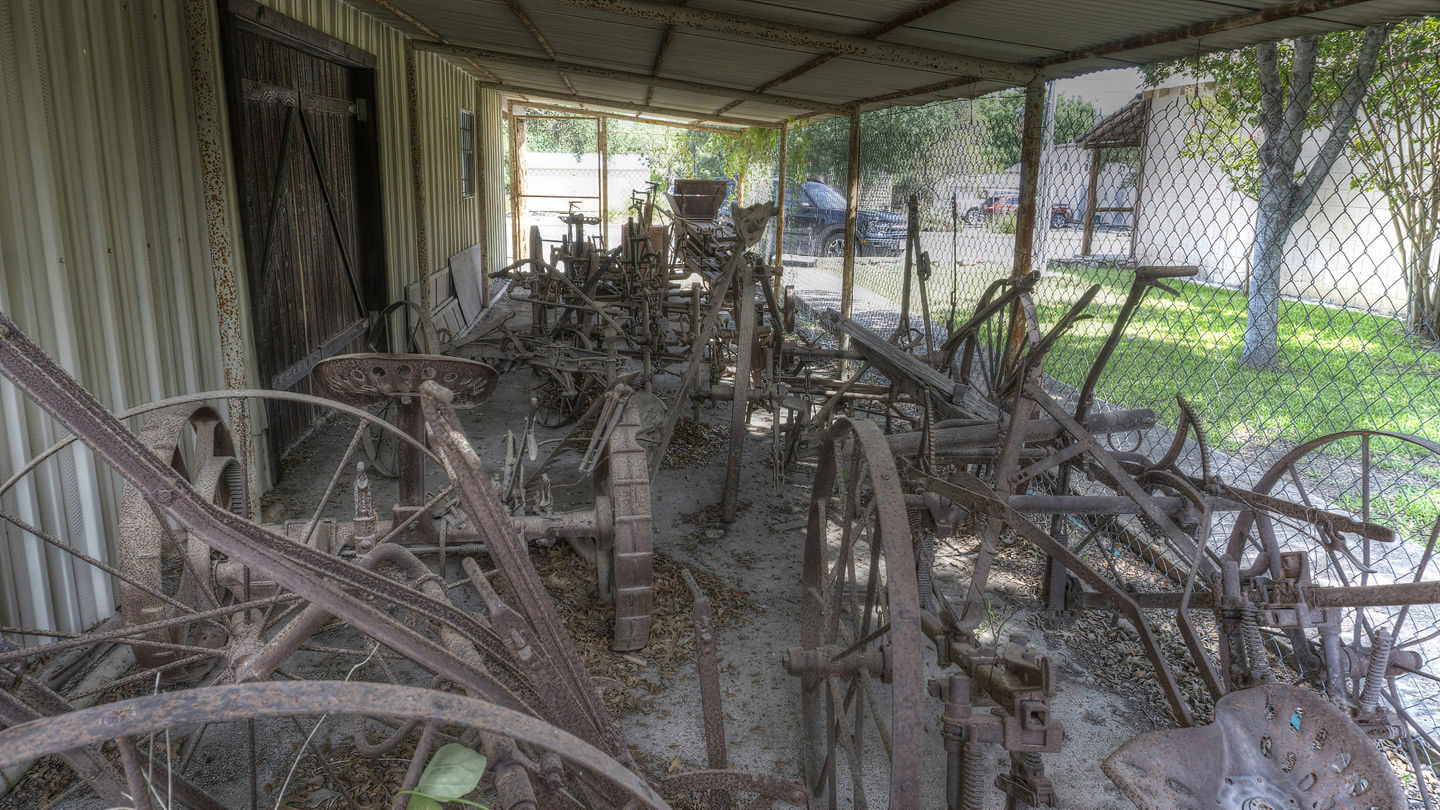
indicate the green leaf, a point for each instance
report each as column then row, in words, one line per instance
column 419, row 801
column 454, row 771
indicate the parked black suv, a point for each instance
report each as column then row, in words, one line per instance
column 815, row 225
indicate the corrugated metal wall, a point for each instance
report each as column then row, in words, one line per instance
column 103, row 259
column 105, row 245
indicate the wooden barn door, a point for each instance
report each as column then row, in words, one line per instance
column 301, row 115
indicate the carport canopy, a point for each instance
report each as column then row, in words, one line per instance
column 761, row 62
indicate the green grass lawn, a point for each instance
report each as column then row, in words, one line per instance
column 1341, row 369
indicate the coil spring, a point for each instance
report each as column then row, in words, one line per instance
column 1254, row 645
column 1375, row 672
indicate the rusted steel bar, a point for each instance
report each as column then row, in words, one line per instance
column 627, row 76
column 233, row 703
column 788, row 34
column 509, row 551
column 1038, row 431
column 431, row 340
column 769, row 789
column 707, row 666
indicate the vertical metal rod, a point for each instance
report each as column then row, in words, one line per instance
column 430, row 341
column 1091, row 199
column 780, row 170
column 603, row 147
column 852, row 204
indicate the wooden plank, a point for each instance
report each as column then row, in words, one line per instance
column 467, row 270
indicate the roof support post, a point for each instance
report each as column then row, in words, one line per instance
column 1091, row 197
column 1033, row 129
column 602, row 146
column 852, row 205
column 780, row 207
column 428, row 336
column 517, row 141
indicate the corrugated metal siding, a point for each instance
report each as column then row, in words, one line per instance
column 103, row 259
column 104, row 241
column 491, row 137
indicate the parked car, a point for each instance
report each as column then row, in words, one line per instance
column 995, row 204
column 815, row 225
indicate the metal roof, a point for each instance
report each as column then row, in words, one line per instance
column 747, row 62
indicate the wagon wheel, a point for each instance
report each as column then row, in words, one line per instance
column 561, row 396
column 152, row 554
column 1348, row 464
column 83, row 738
column 624, row 564
column 861, row 645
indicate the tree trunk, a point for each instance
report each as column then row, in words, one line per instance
column 1267, row 264
column 1424, row 293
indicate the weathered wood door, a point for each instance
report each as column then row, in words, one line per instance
column 301, row 115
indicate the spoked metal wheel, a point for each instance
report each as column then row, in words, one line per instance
column 188, row 612
column 1406, row 705
column 561, row 395
column 147, row 777
column 861, row 645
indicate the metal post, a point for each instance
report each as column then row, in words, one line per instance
column 516, row 139
column 1045, row 182
column 852, row 204
column 482, row 205
column 430, row 341
column 603, row 147
column 1030, row 147
column 780, row 207
column 1091, row 198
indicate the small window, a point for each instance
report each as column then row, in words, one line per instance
column 467, row 153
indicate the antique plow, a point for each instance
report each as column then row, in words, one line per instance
column 872, row 611
column 227, row 614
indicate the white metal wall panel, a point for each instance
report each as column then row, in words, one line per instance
column 103, row 259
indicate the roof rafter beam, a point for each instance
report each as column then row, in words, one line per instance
column 660, row 55
column 878, row 31
column 814, row 38
column 689, row 115
column 540, row 39
column 1200, row 29
column 577, row 69
column 412, row 20
column 685, row 123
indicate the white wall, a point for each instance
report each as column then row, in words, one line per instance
column 1341, row 251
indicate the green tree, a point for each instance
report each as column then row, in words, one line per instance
column 1253, row 124
column 1397, row 150
column 1001, row 116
